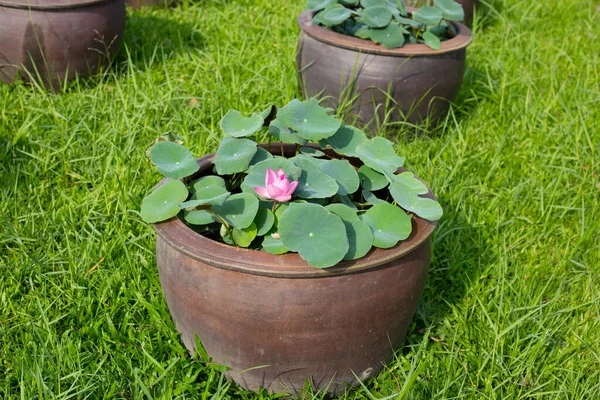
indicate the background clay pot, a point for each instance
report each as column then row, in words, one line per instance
column 252, row 309
column 57, row 39
column 142, row 3
column 420, row 80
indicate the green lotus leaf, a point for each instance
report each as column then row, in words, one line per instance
column 334, row 15
column 348, row 2
column 226, row 235
column 364, row 32
column 314, row 183
column 162, row 203
column 309, row 119
column 244, row 237
column 360, row 237
column 173, row 160
column 392, row 36
column 199, row 217
column 238, row 210
column 256, row 175
column 212, row 195
column 207, row 181
column 409, row 179
column 398, row 5
column 347, row 201
column 451, row 9
column 373, row 3
column 428, row 15
column 408, row 198
column 431, row 40
column 371, row 198
column 273, row 246
column 234, row 155
column 343, row 173
column 377, row 17
column 236, row 125
column 284, row 134
column 281, row 208
column 317, row 5
column 261, row 155
column 371, row 180
column 311, row 151
column 407, row 21
column 378, row 154
column 345, row 140
column 389, row 224
column 264, row 221
column 318, row 235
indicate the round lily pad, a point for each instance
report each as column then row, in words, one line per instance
column 163, row 203
column 428, row 15
column 173, row 160
column 236, row 125
column 345, row 140
column 273, row 246
column 431, row 40
column 388, row 223
column 284, row 134
column 371, row 180
column 392, row 36
column 256, row 175
column 371, row 198
column 378, row 153
column 206, row 196
column 311, row 151
column 208, row 181
column 264, row 221
column 309, row 119
column 451, row 10
column 372, row 3
column 408, row 198
column 234, row 155
column 334, row 15
column 317, row 5
column 343, row 173
column 199, row 217
column 261, row 155
column 314, row 183
column 376, row 17
column 238, row 210
column 360, row 237
column 244, row 237
column 318, row 235
column 408, row 179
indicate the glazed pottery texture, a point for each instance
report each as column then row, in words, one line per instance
column 295, row 322
column 422, row 82
column 57, row 39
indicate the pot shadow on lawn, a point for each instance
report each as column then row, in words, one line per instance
column 151, row 40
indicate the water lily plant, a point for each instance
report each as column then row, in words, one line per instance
column 316, row 202
column 388, row 22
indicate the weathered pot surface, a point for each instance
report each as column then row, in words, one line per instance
column 295, row 322
column 422, row 82
column 57, row 39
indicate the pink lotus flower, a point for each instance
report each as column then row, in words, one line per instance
column 277, row 186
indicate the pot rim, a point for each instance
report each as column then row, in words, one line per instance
column 51, row 5
column 290, row 265
column 458, row 42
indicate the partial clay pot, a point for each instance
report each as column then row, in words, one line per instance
column 57, row 39
column 142, row 3
column 468, row 6
column 420, row 81
column 278, row 322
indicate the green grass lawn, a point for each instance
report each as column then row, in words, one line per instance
column 511, row 308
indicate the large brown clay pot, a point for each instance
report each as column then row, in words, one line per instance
column 422, row 82
column 57, row 39
column 296, row 322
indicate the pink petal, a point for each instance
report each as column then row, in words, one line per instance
column 280, row 173
column 262, row 192
column 270, row 177
column 274, row 191
column 292, row 187
column 283, row 198
column 282, row 184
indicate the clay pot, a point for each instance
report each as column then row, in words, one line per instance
column 422, row 82
column 57, row 39
column 142, row 3
column 293, row 321
column 468, row 6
